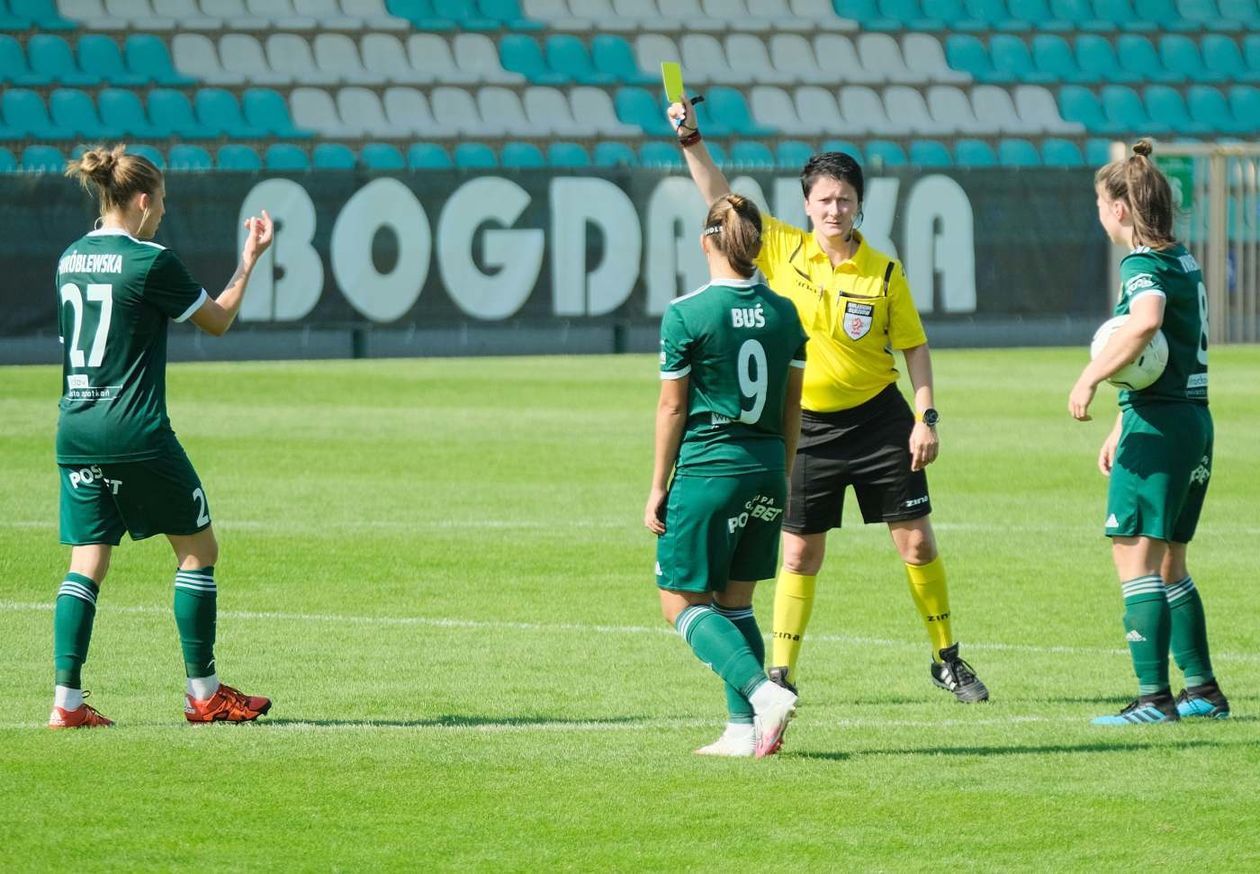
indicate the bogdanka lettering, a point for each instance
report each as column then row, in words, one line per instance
column 94, row 262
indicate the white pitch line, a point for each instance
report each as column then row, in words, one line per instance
column 551, row 627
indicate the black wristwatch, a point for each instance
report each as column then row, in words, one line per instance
column 929, row 417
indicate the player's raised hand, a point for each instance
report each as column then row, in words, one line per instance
column 682, row 116
column 258, row 238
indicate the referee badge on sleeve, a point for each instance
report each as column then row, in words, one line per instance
column 857, row 319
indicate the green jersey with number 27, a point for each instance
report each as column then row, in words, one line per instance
column 1173, row 273
column 116, row 296
column 735, row 341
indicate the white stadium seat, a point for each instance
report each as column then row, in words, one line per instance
column 557, row 15
column 1037, row 105
column 924, row 55
column 550, row 108
column 780, row 16
column 328, row 14
column 138, row 14
column 384, row 56
column 360, row 109
column 950, row 108
column 837, row 58
column 313, row 108
column 735, row 14
column 865, row 111
column 187, row 13
column 641, row 14
column 408, row 110
column 993, row 107
column 593, row 106
column 793, row 55
column 456, row 109
column 280, row 14
column 704, row 61
column 290, row 55
column 241, row 53
column 688, row 15
column 501, row 113
column 774, row 107
column 430, row 54
column 746, row 51
column 880, row 56
column 90, row 13
column 476, row 55
column 821, row 14
column 234, row 14
column 652, row 48
column 337, row 53
column 818, row 112
column 374, row 14
column 906, row 105
column 195, row 55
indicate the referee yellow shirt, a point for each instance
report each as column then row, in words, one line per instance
column 856, row 314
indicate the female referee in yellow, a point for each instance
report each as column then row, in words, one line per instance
column 856, row 428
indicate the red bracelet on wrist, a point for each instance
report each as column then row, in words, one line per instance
column 690, row 139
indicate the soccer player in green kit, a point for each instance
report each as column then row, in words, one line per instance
column 1159, row 454
column 121, row 467
column 732, row 366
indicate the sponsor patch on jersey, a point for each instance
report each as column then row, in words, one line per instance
column 857, row 319
column 77, row 380
column 1139, row 283
column 1197, row 380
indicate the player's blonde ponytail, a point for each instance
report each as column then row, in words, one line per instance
column 734, row 225
column 1139, row 183
column 114, row 177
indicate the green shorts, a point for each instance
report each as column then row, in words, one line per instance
column 143, row 498
column 720, row 528
column 1161, row 472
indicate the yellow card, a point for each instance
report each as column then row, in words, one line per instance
column 671, row 76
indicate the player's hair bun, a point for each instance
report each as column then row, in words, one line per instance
column 1142, row 148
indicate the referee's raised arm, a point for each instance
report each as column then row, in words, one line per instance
column 708, row 178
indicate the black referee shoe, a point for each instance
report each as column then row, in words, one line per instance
column 955, row 675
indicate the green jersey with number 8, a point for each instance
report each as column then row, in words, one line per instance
column 1173, row 273
column 735, row 340
column 116, row 296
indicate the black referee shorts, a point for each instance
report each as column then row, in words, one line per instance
column 867, row 447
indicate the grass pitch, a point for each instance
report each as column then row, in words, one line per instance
column 437, row 570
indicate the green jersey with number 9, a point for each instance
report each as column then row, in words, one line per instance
column 1173, row 273
column 116, row 296
column 735, row 340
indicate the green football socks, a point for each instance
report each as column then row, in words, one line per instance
column 195, row 612
column 72, row 628
column 1148, row 629
column 721, row 646
column 737, row 706
column 1189, row 633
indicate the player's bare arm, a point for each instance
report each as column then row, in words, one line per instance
column 1145, row 318
column 217, row 315
column 709, row 179
column 671, row 422
column 924, row 444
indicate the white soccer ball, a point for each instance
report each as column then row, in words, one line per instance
column 1145, row 369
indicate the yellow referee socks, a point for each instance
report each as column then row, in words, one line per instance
column 931, row 596
column 793, row 602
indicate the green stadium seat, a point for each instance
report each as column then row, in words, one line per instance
column 1124, row 109
column 909, row 14
column 148, row 56
column 612, row 154
column 1061, row 153
column 235, row 156
column 930, row 154
column 219, row 112
column 43, row 159
column 657, row 155
column 1080, row 105
column 1018, row 153
column 1165, row 103
column 475, row 156
column 26, row 117
column 521, row 54
column 1208, row 106
column 185, row 157
column 171, row 110
column 382, row 156
column 565, row 155
column 1137, row 57
column 266, row 109
column 1162, row 15
column 1121, row 15
column 1081, row 15
column 752, row 155
column 1180, row 55
column 1245, row 12
column 521, row 156
column 640, row 107
column 9, row 21
column 74, row 111
column 428, row 156
column 729, row 105
column 990, row 15
column 13, row 67
column 1222, row 56
column 121, row 109
column 465, row 15
column 1052, row 55
column 884, row 153
column 1244, row 100
column 1204, row 14
column 1097, row 152
column 8, row 163
column 613, row 55
column 507, row 14
column 792, row 154
column 567, row 55
column 1012, row 61
column 333, row 156
column 848, row 147
column 717, row 153
column 420, row 13
column 100, row 56
column 955, row 13
column 50, row 55
column 42, row 14
column 1038, row 15
column 866, row 13
column 1098, row 62
column 286, row 156
column 1251, row 52
column 967, row 54
column 974, row 153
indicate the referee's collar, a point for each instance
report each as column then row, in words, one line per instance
column 859, row 254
